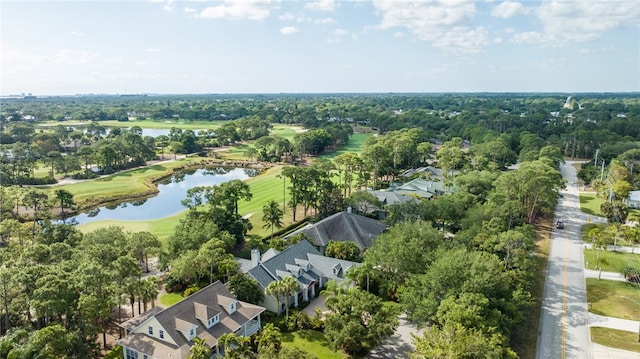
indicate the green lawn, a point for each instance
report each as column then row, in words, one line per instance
column 590, row 204
column 169, row 299
column 611, row 261
column 312, row 341
column 615, row 338
column 161, row 227
column 265, row 187
column 606, row 235
column 355, row 145
column 124, row 185
column 613, row 299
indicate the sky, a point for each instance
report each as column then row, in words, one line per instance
column 326, row 46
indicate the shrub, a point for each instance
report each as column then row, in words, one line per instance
column 190, row 291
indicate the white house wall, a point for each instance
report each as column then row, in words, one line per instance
column 153, row 322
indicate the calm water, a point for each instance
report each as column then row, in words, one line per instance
column 167, row 202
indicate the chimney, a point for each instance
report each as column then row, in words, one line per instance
column 255, row 257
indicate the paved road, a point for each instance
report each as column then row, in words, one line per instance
column 564, row 331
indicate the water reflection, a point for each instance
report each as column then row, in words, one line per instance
column 172, row 190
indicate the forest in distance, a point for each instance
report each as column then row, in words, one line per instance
column 467, row 247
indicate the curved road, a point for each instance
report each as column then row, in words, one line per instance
column 564, row 331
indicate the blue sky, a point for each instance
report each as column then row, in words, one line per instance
column 272, row 46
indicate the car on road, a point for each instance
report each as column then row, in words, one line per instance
column 560, row 225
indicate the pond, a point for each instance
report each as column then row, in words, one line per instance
column 167, row 202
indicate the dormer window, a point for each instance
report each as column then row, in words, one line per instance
column 150, row 330
column 213, row 321
column 192, row 333
column 337, row 269
column 232, row 307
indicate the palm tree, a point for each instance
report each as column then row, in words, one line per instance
column 235, row 346
column 357, row 273
column 332, row 290
column 290, row 286
column 272, row 215
column 269, row 340
column 614, row 229
column 275, row 289
column 199, row 350
column 598, row 244
column 631, row 235
column 65, row 198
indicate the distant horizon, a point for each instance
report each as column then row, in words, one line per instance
column 319, row 46
column 31, row 95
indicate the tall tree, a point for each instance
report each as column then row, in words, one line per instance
column 358, row 321
column 272, row 215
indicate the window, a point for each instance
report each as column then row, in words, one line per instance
column 161, row 334
column 192, row 333
column 145, row 356
column 150, row 330
column 131, row 354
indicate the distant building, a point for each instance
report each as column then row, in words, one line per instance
column 343, row 227
column 633, row 199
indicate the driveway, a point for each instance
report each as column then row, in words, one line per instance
column 400, row 344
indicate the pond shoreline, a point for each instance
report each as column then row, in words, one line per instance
column 25, row 214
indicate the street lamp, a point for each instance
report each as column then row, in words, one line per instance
column 633, row 301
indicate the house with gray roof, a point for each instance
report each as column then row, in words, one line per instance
column 343, row 227
column 301, row 261
column 420, row 188
column 169, row 333
column 633, row 199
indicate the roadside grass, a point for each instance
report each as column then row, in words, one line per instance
column 312, row 341
column 606, row 235
column 613, row 299
column 525, row 337
column 611, row 261
column 590, row 203
column 615, row 338
column 169, row 299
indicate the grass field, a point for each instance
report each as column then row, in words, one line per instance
column 611, row 261
column 607, row 236
column 128, row 184
column 312, row 341
column 590, row 203
column 614, row 338
column 612, row 299
column 169, row 299
column 265, row 187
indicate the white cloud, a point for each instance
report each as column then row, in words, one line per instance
column 240, row 10
column 326, row 20
column 508, row 9
column 580, row 21
column 152, row 50
column 322, row 5
column 288, row 30
column 169, row 5
column 189, row 10
column 340, row 32
column 287, row 16
column 446, row 24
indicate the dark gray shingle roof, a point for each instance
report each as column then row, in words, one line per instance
column 344, row 227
